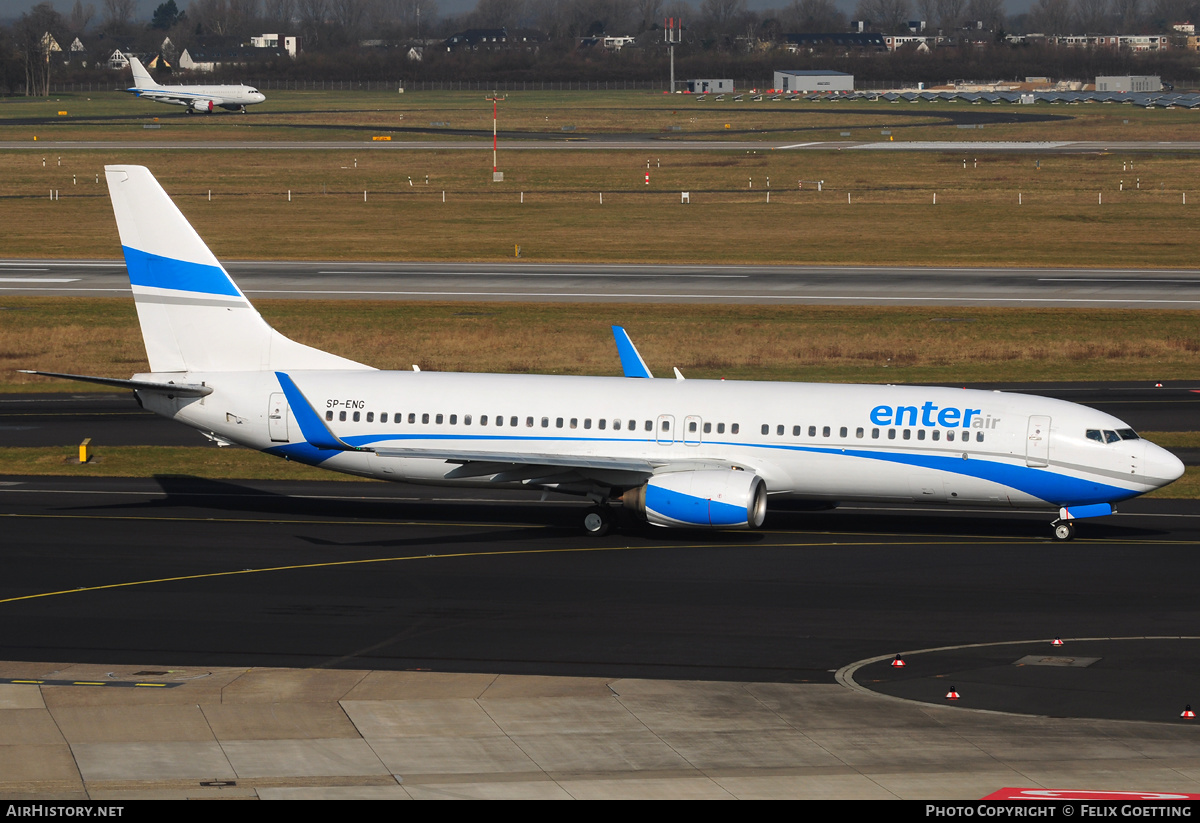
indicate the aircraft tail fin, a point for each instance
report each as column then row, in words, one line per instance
column 141, row 77
column 193, row 316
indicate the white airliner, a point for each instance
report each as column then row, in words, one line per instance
column 688, row 453
column 196, row 98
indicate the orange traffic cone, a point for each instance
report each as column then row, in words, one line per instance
column 1187, row 712
column 952, row 694
column 898, row 663
column 1056, row 642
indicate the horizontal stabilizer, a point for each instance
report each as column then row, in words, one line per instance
column 176, row 389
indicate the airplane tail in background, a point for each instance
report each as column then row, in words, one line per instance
column 141, row 77
column 193, row 316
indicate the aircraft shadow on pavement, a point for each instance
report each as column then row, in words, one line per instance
column 562, row 518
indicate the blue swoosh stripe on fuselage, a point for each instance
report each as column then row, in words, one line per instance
column 1041, row 483
column 155, row 271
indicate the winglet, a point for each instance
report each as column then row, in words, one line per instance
column 631, row 362
column 311, row 425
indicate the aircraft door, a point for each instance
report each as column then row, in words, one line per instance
column 277, row 415
column 1037, row 443
column 665, row 429
column 691, row 430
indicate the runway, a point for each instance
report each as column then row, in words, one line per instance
column 766, row 285
column 600, row 142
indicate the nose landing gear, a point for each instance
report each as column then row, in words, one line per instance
column 1064, row 530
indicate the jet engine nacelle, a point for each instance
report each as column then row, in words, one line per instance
column 202, row 106
column 709, row 498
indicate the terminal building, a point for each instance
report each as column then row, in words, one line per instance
column 810, row 81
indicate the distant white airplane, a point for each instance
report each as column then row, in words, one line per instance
column 195, row 98
column 680, row 453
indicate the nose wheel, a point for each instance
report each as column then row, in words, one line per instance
column 1063, row 530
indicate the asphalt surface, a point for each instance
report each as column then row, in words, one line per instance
column 384, row 577
column 519, row 281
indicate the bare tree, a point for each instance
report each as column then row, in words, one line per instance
column 81, row 17
column 35, row 34
column 815, row 16
column 722, row 14
column 950, row 14
column 1051, row 16
column 988, row 12
column 350, row 14
column 119, row 13
column 495, row 14
column 1128, row 14
column 885, row 15
column 1092, row 16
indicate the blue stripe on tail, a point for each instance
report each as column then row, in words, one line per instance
column 151, row 270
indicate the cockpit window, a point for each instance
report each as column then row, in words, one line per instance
column 1094, row 434
column 1128, row 434
column 1111, row 437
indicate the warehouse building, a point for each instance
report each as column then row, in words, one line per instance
column 1129, row 83
column 807, row 81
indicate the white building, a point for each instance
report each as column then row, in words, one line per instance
column 807, row 81
column 287, row 42
column 1129, row 83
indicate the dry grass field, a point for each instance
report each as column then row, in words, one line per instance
column 840, row 344
column 873, row 208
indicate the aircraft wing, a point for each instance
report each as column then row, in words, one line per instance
column 523, row 459
column 527, row 466
column 163, row 96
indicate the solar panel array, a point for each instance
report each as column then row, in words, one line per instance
column 1149, row 100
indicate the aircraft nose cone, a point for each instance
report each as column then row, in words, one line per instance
column 1161, row 465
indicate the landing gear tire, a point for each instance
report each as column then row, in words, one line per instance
column 1064, row 531
column 598, row 521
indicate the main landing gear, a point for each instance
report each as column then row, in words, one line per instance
column 598, row 521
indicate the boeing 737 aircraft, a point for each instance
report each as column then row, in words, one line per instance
column 680, row 453
column 196, row 98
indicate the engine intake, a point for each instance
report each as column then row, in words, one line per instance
column 710, row 498
column 202, row 106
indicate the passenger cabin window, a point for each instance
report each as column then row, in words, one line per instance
column 765, row 428
column 342, row 416
column 734, row 428
column 329, row 415
column 370, row 417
